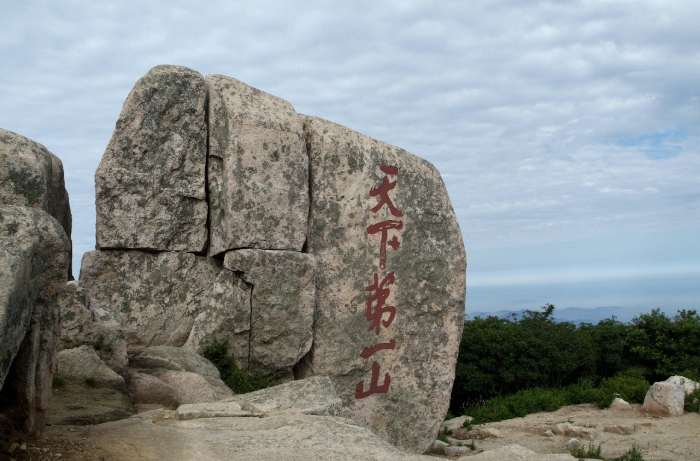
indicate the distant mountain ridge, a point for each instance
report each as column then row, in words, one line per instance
column 579, row 314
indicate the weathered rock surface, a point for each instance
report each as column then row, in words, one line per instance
column 100, row 329
column 515, row 453
column 87, row 390
column 282, row 306
column 665, row 399
column 620, row 404
column 34, row 260
column 291, row 437
column 157, row 296
column 147, row 389
column 82, row 365
column 150, row 185
column 32, row 176
column 310, row 396
column 363, row 229
column 258, row 169
column 174, row 358
column 225, row 320
column 688, row 385
column 195, row 388
column 620, row 429
column 455, row 423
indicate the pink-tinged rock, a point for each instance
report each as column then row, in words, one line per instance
column 147, row 389
column 258, row 169
column 195, row 388
column 665, row 399
column 32, row 176
column 156, row 297
column 282, row 306
column 620, row 404
column 361, row 189
column 150, row 188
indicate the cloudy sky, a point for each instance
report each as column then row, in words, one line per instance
column 567, row 132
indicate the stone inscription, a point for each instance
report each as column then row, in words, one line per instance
column 378, row 314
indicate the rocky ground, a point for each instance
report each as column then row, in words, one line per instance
column 670, row 438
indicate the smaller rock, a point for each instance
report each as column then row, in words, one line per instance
column 621, row 429
column 573, row 443
column 213, row 410
column 146, row 389
column 23, row 447
column 548, row 433
column 195, row 388
column 455, row 451
column 620, row 404
column 82, row 365
column 453, row 442
column 310, row 396
column 581, row 432
column 665, row 399
column 13, row 447
column 439, row 446
column 174, row 358
column 455, row 423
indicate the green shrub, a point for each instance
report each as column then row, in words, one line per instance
column 579, row 452
column 692, row 401
column 630, row 386
column 634, row 454
column 240, row 381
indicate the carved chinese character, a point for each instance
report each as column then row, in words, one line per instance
column 383, row 192
column 394, row 243
column 374, row 314
column 368, row 352
column 360, row 393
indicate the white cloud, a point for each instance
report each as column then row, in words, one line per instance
column 552, row 121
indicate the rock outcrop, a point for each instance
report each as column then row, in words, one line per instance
column 342, row 256
column 150, row 185
column 34, row 260
column 31, row 176
column 667, row 398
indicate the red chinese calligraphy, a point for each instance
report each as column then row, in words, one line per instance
column 394, row 243
column 375, row 308
column 369, row 351
column 383, row 192
column 374, row 388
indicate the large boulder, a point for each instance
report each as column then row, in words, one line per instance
column 258, row 169
column 96, row 327
column 282, row 307
column 34, row 259
column 390, row 282
column 150, row 185
column 665, row 399
column 156, row 296
column 32, row 176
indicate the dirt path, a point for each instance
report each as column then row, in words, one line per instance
column 671, row 439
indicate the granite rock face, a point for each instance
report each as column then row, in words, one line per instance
column 390, row 283
column 258, row 169
column 32, row 176
column 156, row 297
column 282, row 306
column 150, row 185
column 98, row 328
column 225, row 320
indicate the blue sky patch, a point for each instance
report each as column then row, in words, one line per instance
column 661, row 145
